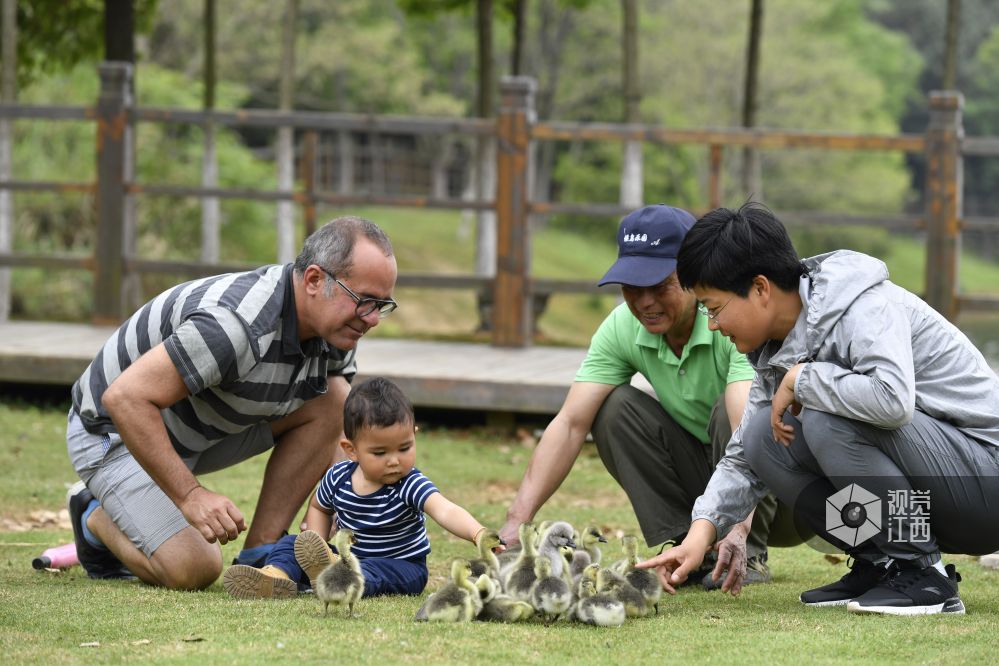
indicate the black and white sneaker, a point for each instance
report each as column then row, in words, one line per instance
column 97, row 562
column 913, row 591
column 862, row 577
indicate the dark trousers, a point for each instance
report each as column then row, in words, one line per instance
column 663, row 468
column 831, row 456
column 382, row 575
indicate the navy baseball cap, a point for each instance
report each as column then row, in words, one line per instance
column 647, row 242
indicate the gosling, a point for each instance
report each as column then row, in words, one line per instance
column 588, row 552
column 341, row 583
column 509, row 556
column 487, row 562
column 566, row 553
column 457, row 601
column 618, row 587
column 504, row 608
column 558, row 534
column 550, row 594
column 520, row 576
column 487, row 587
column 598, row 609
column 643, row 580
column 588, row 574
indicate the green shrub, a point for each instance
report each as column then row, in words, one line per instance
column 821, row 238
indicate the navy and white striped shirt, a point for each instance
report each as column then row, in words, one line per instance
column 387, row 523
column 234, row 340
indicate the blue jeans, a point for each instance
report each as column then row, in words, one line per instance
column 382, row 575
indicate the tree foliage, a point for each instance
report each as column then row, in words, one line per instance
column 838, row 65
column 824, row 67
column 983, row 105
column 982, row 110
column 351, row 56
column 56, row 35
column 922, row 24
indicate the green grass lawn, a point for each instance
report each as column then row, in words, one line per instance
column 49, row 618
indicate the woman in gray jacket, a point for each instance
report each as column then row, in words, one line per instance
column 871, row 415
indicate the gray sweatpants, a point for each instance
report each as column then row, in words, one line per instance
column 954, row 477
column 663, row 468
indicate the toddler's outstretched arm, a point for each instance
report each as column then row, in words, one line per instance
column 452, row 517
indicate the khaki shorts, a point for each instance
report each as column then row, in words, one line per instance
column 129, row 495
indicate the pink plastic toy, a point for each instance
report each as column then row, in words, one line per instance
column 59, row 557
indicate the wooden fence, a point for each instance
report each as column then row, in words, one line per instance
column 514, row 131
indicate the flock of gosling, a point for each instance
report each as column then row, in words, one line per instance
column 555, row 575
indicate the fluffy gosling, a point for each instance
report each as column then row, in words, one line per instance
column 504, row 608
column 558, row 534
column 596, row 608
column 520, row 576
column 643, row 580
column 615, row 585
column 487, row 562
column 341, row 583
column 487, row 587
column 457, row 601
column 550, row 594
column 509, row 556
column 588, row 574
column 588, row 550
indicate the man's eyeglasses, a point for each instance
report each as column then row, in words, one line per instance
column 713, row 316
column 365, row 306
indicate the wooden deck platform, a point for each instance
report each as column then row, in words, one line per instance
column 433, row 374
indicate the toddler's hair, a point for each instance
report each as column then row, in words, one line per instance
column 375, row 403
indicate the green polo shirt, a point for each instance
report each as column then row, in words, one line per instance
column 687, row 387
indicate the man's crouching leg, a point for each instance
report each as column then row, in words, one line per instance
column 143, row 528
column 304, row 445
column 184, row 561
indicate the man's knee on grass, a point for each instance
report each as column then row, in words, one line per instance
column 183, row 564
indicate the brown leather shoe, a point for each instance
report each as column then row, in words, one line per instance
column 313, row 554
column 245, row 582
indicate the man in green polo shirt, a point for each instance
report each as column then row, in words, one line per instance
column 661, row 449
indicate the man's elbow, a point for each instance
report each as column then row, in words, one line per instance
column 118, row 399
column 898, row 414
column 113, row 398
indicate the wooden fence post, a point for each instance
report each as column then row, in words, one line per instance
column 112, row 122
column 512, row 316
column 944, row 200
column 714, row 176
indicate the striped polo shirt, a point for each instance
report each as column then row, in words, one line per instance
column 234, row 341
column 387, row 523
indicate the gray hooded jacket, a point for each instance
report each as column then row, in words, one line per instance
column 874, row 352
